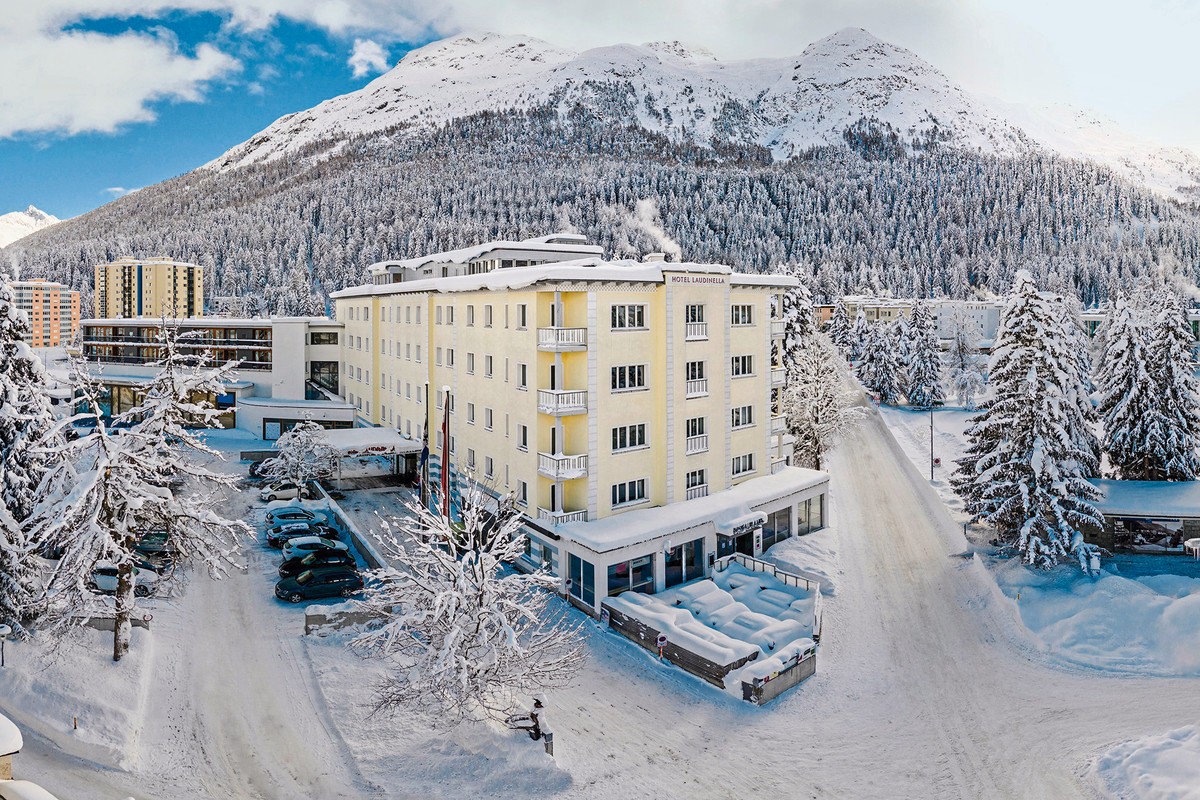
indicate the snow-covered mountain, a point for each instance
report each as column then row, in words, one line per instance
column 19, row 224
column 786, row 104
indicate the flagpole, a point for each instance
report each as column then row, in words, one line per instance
column 446, row 454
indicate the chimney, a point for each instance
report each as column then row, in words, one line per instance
column 654, row 258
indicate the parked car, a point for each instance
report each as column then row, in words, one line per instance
column 275, row 516
column 257, row 469
column 303, row 545
column 323, row 582
column 104, row 580
column 317, row 559
column 282, row 490
column 277, row 536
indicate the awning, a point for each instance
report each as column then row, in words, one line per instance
column 356, row 442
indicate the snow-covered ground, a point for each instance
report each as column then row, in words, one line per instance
column 1163, row 767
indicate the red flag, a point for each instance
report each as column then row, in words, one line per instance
column 446, row 454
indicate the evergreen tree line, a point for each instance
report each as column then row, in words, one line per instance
column 279, row 237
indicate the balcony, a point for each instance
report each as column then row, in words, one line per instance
column 562, row 402
column 696, row 444
column 562, row 340
column 778, row 328
column 777, row 377
column 697, row 388
column 777, row 425
column 561, row 517
column 696, row 331
column 559, row 467
column 777, row 465
column 694, row 492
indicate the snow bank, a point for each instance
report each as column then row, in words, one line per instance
column 683, row 629
column 10, row 737
column 1160, row 767
column 813, row 556
column 43, row 692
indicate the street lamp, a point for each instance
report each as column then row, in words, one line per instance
column 931, row 407
column 5, row 630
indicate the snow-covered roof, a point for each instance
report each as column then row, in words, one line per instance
column 553, row 243
column 371, row 441
column 10, row 737
column 579, row 270
column 1149, row 498
column 281, row 402
column 720, row 508
column 211, row 322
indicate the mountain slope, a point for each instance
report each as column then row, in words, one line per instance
column 20, row 224
column 785, row 104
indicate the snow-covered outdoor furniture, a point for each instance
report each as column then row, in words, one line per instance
column 10, row 744
column 1192, row 546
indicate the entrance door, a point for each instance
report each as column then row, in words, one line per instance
column 685, row 563
column 553, row 376
column 745, row 544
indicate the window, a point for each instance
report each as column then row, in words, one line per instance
column 489, row 467
column 628, row 492
column 470, row 458
column 741, row 366
column 449, row 315
column 358, row 374
column 636, row 575
column 418, row 359
column 470, row 316
column 523, row 437
column 522, row 315
column 449, row 356
column 581, row 580
column 537, row 553
column 438, row 315
column 743, row 464
column 470, row 413
column 693, row 313
column 418, row 319
column 487, row 418
column 366, row 313
column 629, row 378
column 627, row 437
column 694, row 370
column 695, row 427
column 695, row 478
column 741, row 315
column 324, row 337
column 470, row 363
column 487, row 316
column 743, row 417
column 523, row 492
column 438, row 357
column 522, row 376
column 408, row 315
column 628, row 316
column 487, row 366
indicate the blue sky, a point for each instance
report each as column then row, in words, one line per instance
column 99, row 95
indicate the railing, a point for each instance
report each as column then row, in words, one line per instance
column 694, row 492
column 777, row 465
column 561, row 517
column 778, row 328
column 696, row 444
column 559, row 467
column 777, row 425
column 562, row 401
column 758, row 565
column 136, row 361
column 696, row 331
column 777, row 377
column 697, row 388
column 562, row 338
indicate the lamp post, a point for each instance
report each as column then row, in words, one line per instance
column 931, row 407
column 5, row 630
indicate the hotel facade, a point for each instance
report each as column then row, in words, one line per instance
column 626, row 406
column 52, row 309
column 151, row 287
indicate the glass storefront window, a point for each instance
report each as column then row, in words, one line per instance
column 777, row 527
column 635, row 575
column 582, row 575
column 685, row 563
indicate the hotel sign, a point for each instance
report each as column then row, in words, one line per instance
column 719, row 280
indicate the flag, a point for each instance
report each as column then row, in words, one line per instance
column 446, row 455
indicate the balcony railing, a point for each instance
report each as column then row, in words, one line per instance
column 777, row 377
column 777, row 465
column 696, row 331
column 777, row 425
column 694, row 492
column 559, row 467
column 561, row 517
column 778, row 328
column 697, row 388
column 696, row 444
column 562, row 340
column 562, row 402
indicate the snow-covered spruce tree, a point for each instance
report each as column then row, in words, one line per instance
column 799, row 326
column 1127, row 397
column 1172, row 368
column 900, row 333
column 25, row 415
column 924, row 368
column 964, row 365
column 462, row 634
column 860, row 335
column 20, row 590
column 818, row 408
column 304, row 455
column 114, row 488
column 1023, row 471
column 839, row 329
column 1083, row 419
column 878, row 368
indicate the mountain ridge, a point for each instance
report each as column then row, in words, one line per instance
column 16, row 225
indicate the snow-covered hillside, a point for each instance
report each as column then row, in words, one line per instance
column 19, row 224
column 786, row 104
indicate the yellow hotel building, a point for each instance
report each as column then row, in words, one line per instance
column 149, row 287
column 626, row 406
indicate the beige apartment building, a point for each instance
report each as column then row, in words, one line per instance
column 625, row 406
column 151, row 287
column 52, row 309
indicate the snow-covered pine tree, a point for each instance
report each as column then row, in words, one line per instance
column 924, row 368
column 1083, row 420
column 839, row 329
column 20, row 592
column 304, row 454
column 25, row 415
column 900, row 332
column 799, row 326
column 859, row 337
column 1127, row 397
column 462, row 634
column 1176, row 392
column 878, row 369
column 817, row 406
column 112, row 489
column 1023, row 471
column 963, row 362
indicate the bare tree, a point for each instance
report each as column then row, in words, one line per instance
column 818, row 407
column 462, row 633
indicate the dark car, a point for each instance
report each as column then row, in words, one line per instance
column 318, row 559
column 314, row 583
column 281, row 533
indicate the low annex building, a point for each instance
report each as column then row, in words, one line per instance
column 1147, row 516
column 625, row 406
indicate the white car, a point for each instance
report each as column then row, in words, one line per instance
column 294, row 513
column 304, row 545
column 104, row 579
column 284, row 490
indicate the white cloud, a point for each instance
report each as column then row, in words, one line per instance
column 119, row 191
column 366, row 57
